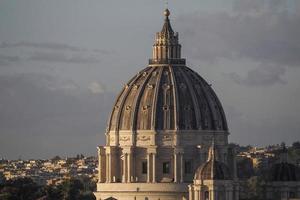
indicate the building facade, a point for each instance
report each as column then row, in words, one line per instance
column 161, row 129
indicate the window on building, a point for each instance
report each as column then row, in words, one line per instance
column 188, row 167
column 144, row 167
column 206, row 195
column 292, row 195
column 166, row 167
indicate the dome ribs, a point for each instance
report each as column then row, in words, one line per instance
column 164, row 118
column 175, row 97
column 128, row 108
column 196, row 108
column 222, row 113
column 127, row 92
column 155, row 98
column 210, row 99
column 167, row 98
column 137, row 99
column 114, row 116
column 201, row 92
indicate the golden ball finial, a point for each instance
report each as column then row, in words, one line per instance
column 167, row 13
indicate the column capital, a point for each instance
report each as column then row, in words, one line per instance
column 110, row 149
column 127, row 150
column 101, row 150
column 152, row 149
column 178, row 150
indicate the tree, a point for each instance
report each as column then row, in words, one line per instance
column 21, row 189
column 54, row 192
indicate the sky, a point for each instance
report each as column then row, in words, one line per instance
column 62, row 63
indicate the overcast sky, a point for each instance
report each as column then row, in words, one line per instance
column 62, row 62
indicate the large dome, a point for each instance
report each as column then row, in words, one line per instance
column 167, row 97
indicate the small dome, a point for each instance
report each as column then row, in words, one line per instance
column 284, row 172
column 167, row 98
column 213, row 170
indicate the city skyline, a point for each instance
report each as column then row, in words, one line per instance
column 62, row 67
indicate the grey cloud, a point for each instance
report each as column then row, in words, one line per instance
column 270, row 37
column 61, row 57
column 38, row 106
column 6, row 60
column 256, row 6
column 53, row 46
column 261, row 76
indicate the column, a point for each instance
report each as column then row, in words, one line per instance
column 230, row 195
column 153, row 167
column 181, row 168
column 129, row 168
column 109, row 168
column 190, row 192
column 148, row 168
column 106, row 168
column 196, row 192
column 99, row 165
column 124, row 168
column 108, row 180
column 175, row 167
column 236, row 192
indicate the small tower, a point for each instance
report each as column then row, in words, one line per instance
column 213, row 180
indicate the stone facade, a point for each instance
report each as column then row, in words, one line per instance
column 161, row 128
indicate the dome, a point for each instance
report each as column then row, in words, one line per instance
column 284, row 172
column 167, row 98
column 213, row 169
column 167, row 95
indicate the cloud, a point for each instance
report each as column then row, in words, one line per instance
column 97, row 88
column 260, row 76
column 53, row 46
column 6, row 60
column 61, row 57
column 265, row 36
column 39, row 108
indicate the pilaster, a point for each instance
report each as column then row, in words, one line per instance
column 101, row 164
